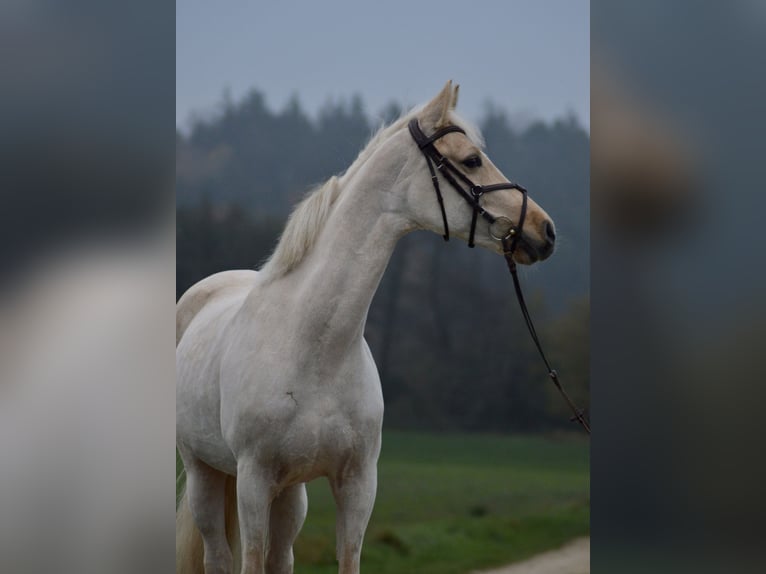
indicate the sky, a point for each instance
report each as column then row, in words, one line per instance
column 530, row 57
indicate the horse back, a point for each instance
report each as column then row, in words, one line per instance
column 209, row 289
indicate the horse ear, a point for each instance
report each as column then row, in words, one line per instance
column 455, row 95
column 436, row 112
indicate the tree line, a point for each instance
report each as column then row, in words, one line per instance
column 450, row 345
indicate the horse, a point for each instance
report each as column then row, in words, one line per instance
column 276, row 385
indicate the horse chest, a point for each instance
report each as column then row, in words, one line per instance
column 307, row 431
column 300, row 412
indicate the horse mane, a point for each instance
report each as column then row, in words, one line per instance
column 302, row 229
column 308, row 218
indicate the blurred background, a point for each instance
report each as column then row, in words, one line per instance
column 480, row 464
column 677, row 283
column 87, row 281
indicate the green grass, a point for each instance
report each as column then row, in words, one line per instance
column 451, row 503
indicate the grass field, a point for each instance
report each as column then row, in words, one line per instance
column 451, row 503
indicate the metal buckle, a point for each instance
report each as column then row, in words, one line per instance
column 511, row 229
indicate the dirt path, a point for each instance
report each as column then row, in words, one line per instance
column 573, row 558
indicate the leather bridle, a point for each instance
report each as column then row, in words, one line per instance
column 473, row 194
column 509, row 239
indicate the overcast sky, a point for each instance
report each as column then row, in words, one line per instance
column 530, row 57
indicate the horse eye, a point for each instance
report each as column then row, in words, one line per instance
column 473, row 161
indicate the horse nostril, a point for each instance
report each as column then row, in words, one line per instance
column 550, row 232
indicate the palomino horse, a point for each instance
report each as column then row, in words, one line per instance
column 276, row 385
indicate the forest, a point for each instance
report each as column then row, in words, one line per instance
column 444, row 327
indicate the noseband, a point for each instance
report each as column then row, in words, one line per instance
column 472, row 194
column 509, row 239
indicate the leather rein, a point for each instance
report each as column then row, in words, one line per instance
column 509, row 238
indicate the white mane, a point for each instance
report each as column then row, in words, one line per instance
column 308, row 218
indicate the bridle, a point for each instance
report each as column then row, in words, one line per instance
column 509, row 240
column 473, row 194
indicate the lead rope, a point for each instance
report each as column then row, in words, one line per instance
column 578, row 413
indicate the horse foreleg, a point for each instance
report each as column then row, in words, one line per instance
column 354, row 498
column 206, row 490
column 288, row 511
column 255, row 491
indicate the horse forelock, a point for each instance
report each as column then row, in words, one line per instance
column 472, row 131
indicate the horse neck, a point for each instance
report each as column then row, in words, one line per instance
column 340, row 276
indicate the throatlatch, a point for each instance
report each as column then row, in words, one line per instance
column 509, row 239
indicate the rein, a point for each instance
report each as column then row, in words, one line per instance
column 578, row 414
column 437, row 162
